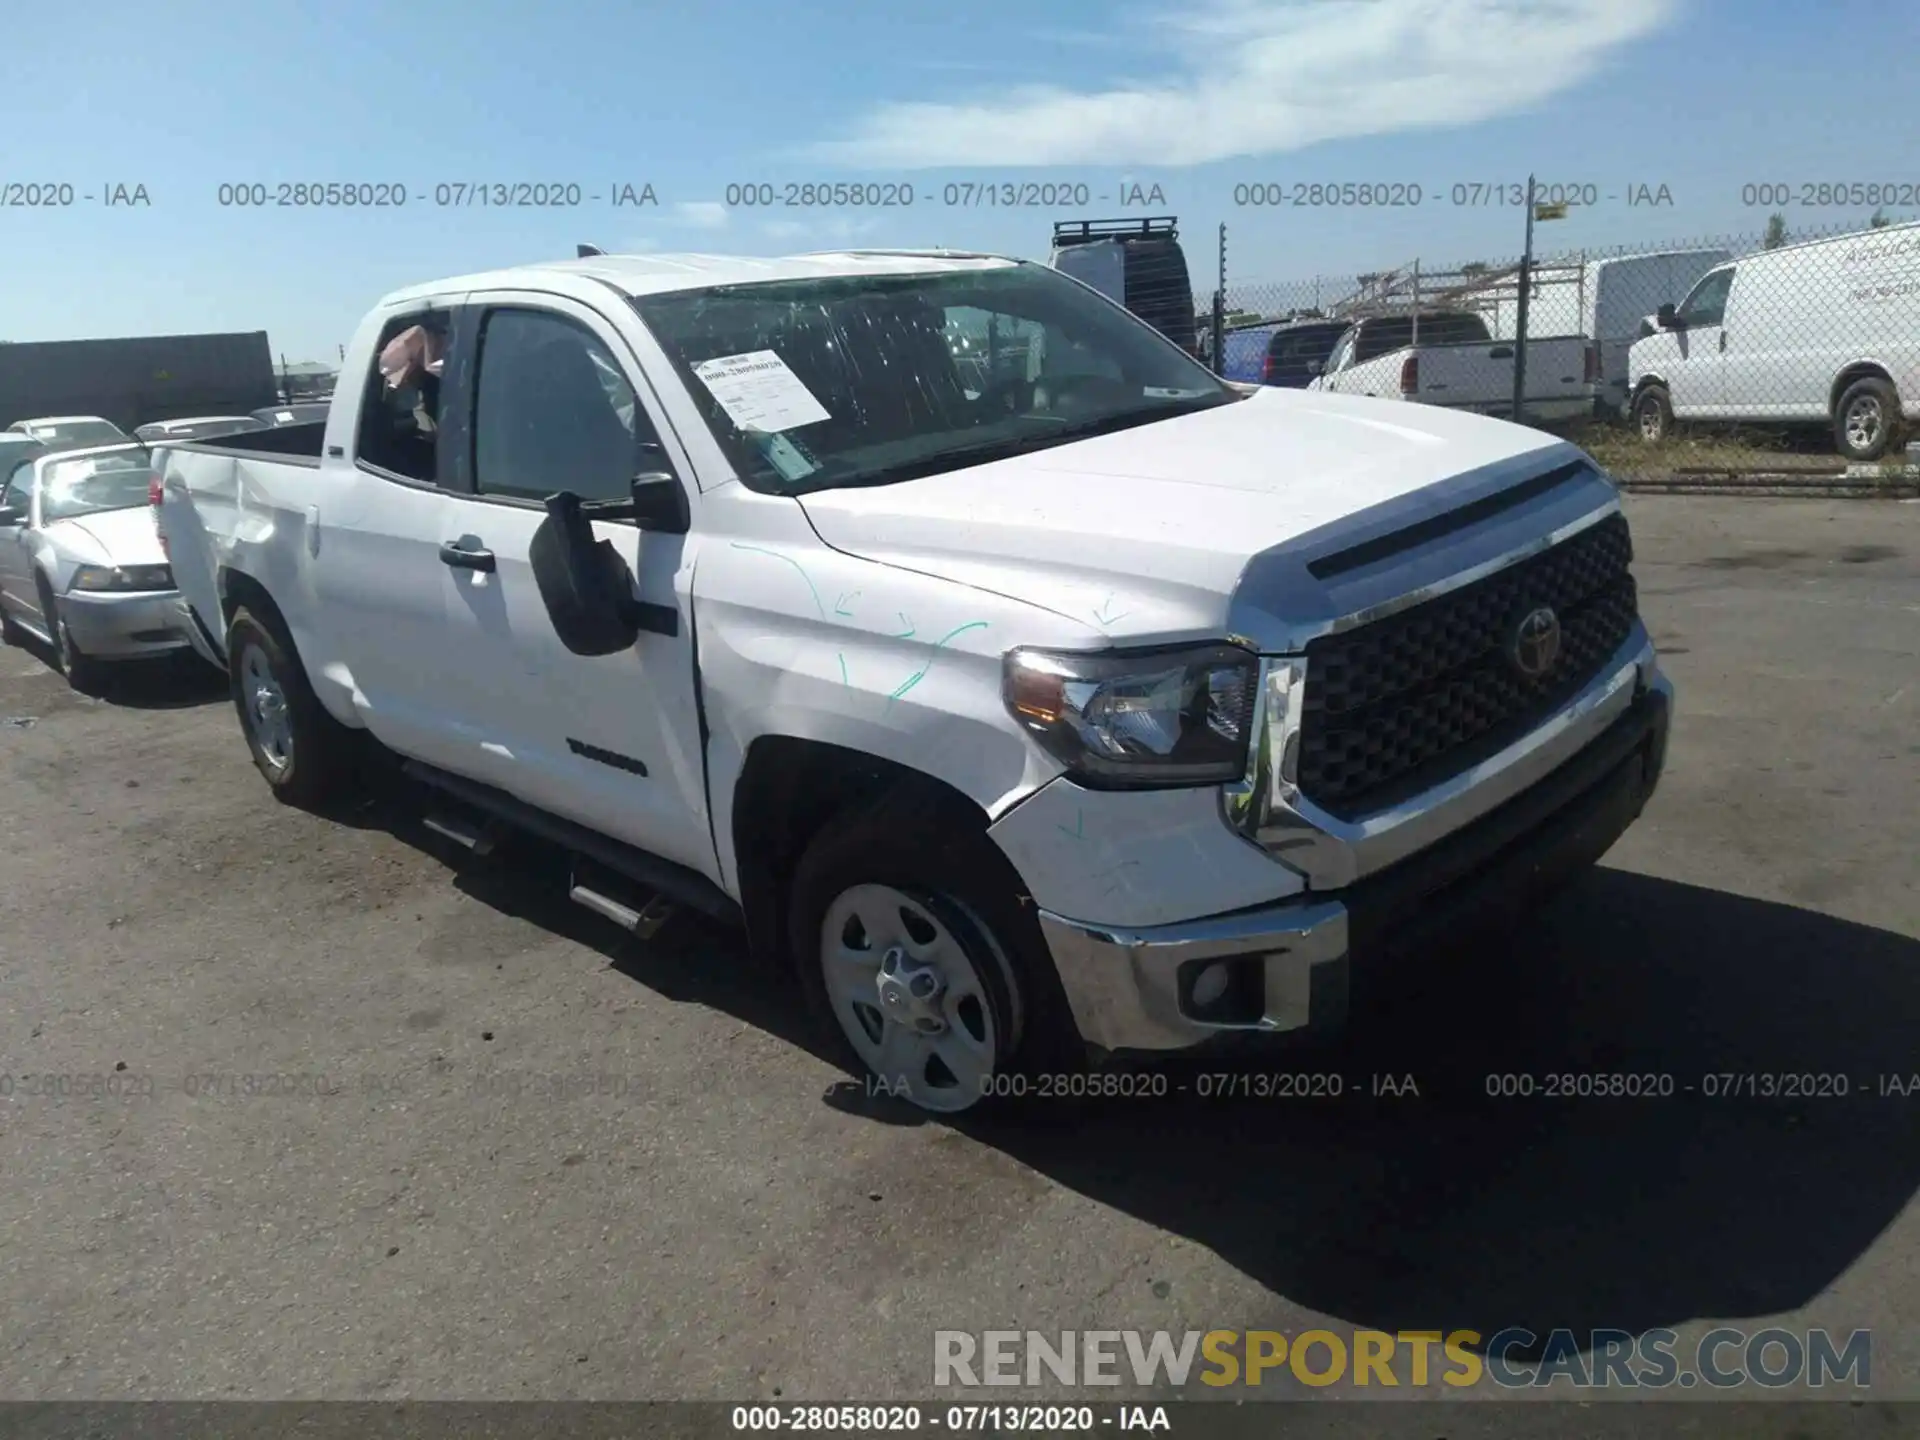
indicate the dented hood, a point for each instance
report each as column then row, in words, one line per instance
column 1148, row 531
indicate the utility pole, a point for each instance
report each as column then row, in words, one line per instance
column 1520, row 314
column 1557, row 210
column 1218, row 338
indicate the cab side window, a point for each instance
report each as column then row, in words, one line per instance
column 1707, row 305
column 553, row 411
column 399, row 424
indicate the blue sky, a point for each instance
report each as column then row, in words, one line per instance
column 1195, row 96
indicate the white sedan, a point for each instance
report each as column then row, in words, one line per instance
column 81, row 566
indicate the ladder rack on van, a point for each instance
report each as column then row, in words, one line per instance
column 1414, row 288
column 1084, row 232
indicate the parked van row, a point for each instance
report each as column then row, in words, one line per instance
column 1825, row 332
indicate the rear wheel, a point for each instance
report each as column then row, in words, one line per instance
column 1867, row 421
column 1653, row 414
column 919, row 959
column 304, row 754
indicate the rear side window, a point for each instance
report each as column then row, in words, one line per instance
column 553, row 412
column 1382, row 337
column 400, row 423
column 1296, row 350
column 1453, row 330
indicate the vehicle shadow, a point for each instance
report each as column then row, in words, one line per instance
column 173, row 682
column 1455, row 1209
column 691, row 960
column 1421, row 1201
column 176, row 681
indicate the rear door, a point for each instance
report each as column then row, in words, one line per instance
column 374, row 529
column 1696, row 381
column 550, row 399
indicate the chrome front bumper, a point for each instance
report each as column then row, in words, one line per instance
column 1499, row 824
column 110, row 626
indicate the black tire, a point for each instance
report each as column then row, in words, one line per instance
column 82, row 672
column 1867, row 422
column 10, row 633
column 316, row 761
column 942, row 861
column 1653, row 415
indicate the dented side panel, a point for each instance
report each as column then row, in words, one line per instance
column 800, row 640
column 1136, row 857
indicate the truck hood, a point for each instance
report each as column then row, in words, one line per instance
column 1146, row 533
column 110, row 537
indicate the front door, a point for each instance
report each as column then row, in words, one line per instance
column 612, row 742
column 1696, row 384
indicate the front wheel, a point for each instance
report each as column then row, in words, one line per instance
column 303, row 752
column 920, row 961
column 1866, row 422
column 82, row 671
column 1653, row 414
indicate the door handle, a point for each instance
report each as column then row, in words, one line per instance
column 451, row 553
column 1500, row 352
column 1723, row 342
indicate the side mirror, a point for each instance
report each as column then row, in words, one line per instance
column 1667, row 319
column 12, row 515
column 659, row 504
column 585, row 585
column 1316, row 367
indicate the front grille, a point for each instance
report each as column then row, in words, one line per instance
column 1404, row 703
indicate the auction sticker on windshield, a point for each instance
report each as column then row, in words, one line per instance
column 759, row 392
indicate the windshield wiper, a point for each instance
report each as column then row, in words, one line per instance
column 1010, row 446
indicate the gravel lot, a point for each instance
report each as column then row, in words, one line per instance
column 736, row 1221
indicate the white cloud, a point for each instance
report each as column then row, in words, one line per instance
column 1261, row 77
column 702, row 214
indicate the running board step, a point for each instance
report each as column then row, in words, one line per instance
column 630, row 904
column 644, row 922
column 626, row 867
column 479, row 837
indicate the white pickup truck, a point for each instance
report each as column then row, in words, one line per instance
column 1452, row 360
column 1034, row 713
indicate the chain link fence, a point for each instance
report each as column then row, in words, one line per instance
column 1730, row 354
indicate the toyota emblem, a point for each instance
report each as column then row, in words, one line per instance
column 1535, row 646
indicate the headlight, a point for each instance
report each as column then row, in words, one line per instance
column 1145, row 718
column 123, row 577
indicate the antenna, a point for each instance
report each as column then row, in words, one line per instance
column 583, row 251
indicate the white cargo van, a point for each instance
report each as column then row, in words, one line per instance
column 1827, row 332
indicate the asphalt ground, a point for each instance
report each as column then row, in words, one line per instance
column 350, row 1114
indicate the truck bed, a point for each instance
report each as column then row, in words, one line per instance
column 231, row 498
column 1477, row 376
column 297, row 444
